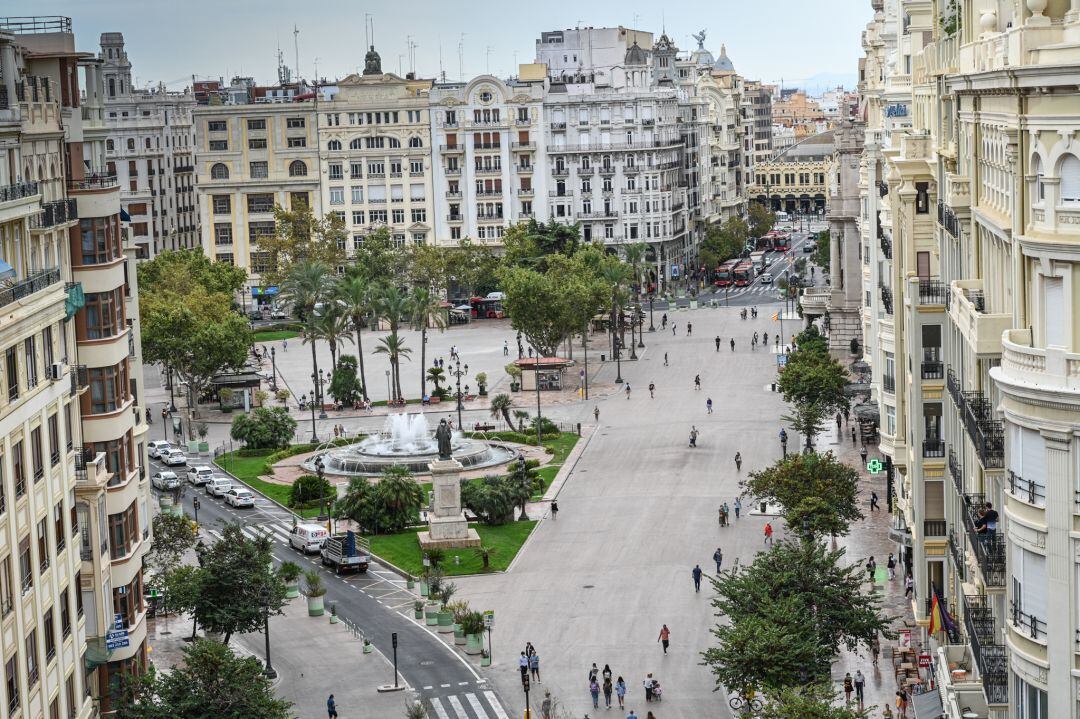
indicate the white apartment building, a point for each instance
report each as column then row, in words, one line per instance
column 151, row 150
column 614, row 150
column 971, row 190
column 488, row 156
column 375, row 155
column 74, row 521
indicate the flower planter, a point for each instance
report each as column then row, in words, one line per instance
column 514, row 386
column 423, row 588
column 459, row 635
column 367, row 647
column 434, row 399
column 418, row 614
column 334, row 619
column 446, row 622
column 474, row 644
column 204, row 448
column 485, row 661
column 292, row 591
column 431, row 615
column 410, row 583
column 315, row 606
column 192, row 447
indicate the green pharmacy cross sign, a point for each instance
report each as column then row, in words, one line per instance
column 874, row 466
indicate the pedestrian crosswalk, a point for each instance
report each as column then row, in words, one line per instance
column 478, row 705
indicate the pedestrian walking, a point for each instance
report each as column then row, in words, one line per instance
column 663, row 321
column 652, row 391
column 593, row 671
column 689, row 329
column 545, row 706
column 871, row 567
column 506, row 349
column 606, row 674
column 901, row 702
column 738, row 461
column 768, row 532
column 873, row 502
column 284, row 345
column 875, row 650
column 890, row 564
column 693, row 436
column 849, row 686
column 596, row 413
column 839, row 420
column 628, row 390
column 738, row 507
column 860, row 684
column 717, row 343
column 674, row 326
column 331, row 708
column 620, row 691
column 852, row 436
column 631, row 715
column 665, row 359
column 648, row 684
column 696, row 574
column 534, row 666
column 697, row 381
column 720, row 515
column 523, row 666
column 664, row 639
column 554, row 509
column 718, row 557
column 529, row 649
column 909, row 585
column 594, row 689
column 862, row 453
column 708, row 406
column 607, row 692
column 727, row 513
column 732, row 344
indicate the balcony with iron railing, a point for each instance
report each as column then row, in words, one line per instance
column 23, row 289
column 934, row 528
column 55, row 213
column 93, row 181
column 956, row 471
column 18, row 191
column 886, row 299
column 986, row 433
column 989, row 655
column 932, row 369
column 80, row 378
column 1026, row 490
column 932, row 291
column 883, row 188
column 987, row 545
column 956, row 551
column 886, row 246
column 981, row 329
column 1027, row 624
column 933, row 448
column 947, row 219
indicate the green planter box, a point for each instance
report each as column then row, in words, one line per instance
column 423, row 589
column 431, row 615
column 292, row 591
column 418, row 614
column 474, row 643
column 485, row 661
column 315, row 606
column 204, row 447
column 459, row 635
column 446, row 622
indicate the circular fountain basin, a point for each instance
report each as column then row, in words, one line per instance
column 406, row 442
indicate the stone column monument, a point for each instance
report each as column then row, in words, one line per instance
column 447, row 527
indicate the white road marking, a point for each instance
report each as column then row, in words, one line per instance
column 456, row 704
column 440, row 711
column 478, row 707
column 496, row 707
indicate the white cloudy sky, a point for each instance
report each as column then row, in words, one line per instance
column 169, row 40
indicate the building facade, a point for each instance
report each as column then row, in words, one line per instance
column 151, row 149
column 249, row 158
column 795, row 180
column 756, row 101
column 74, row 522
column 375, row 155
column 971, row 182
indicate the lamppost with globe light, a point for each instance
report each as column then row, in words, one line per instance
column 458, row 373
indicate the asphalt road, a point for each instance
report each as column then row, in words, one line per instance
column 377, row 602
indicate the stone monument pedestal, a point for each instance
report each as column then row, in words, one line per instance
column 447, row 527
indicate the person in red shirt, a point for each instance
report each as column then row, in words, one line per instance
column 665, row 636
column 768, row 532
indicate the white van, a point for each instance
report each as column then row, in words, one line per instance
column 308, row 538
column 218, row 486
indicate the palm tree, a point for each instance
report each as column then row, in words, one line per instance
column 425, row 309
column 306, row 285
column 500, row 406
column 635, row 253
column 437, row 375
column 353, row 295
column 615, row 275
column 332, row 325
column 390, row 304
column 393, row 346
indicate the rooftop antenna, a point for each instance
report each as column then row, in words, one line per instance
column 487, row 60
column 296, row 49
column 515, row 69
column 461, row 58
column 442, row 70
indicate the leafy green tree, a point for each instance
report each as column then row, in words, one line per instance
column 345, row 386
column 360, row 504
column 352, row 293
column 174, row 536
column 635, row 255
column 813, row 382
column 264, row 428
column 492, row 499
column 380, row 259
column 177, row 270
column 821, row 256
column 532, row 244
column 815, row 491
column 237, row 586
column 425, row 310
column 789, row 613
column 399, row 498
column 724, row 242
column 761, row 220
column 473, row 267
column 815, row 701
column 300, row 236
column 811, row 340
column 309, row 489
column 211, row 681
column 308, row 285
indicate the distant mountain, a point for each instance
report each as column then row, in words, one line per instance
column 816, row 84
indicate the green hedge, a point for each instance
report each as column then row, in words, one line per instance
column 251, row 452
column 302, row 449
column 517, row 437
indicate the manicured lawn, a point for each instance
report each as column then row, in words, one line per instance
column 275, row 335
column 248, row 469
column 403, row 550
column 562, row 446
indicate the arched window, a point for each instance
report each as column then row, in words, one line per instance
column 297, row 169
column 219, row 172
column 131, row 144
column 1037, row 170
column 394, row 142
column 333, row 145
column 1070, row 180
column 110, row 145
column 356, row 144
column 415, row 142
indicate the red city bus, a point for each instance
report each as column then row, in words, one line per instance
column 485, row 308
column 725, row 274
column 781, row 240
column 744, row 274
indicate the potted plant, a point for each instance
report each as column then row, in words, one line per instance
column 446, row 615
column 202, row 429
column 418, row 609
column 410, row 581
column 367, row 646
column 431, row 609
column 481, row 383
column 333, row 613
column 290, row 574
column 459, row 608
column 316, row 590
column 515, row 376
column 485, row 658
column 473, row 626
column 282, row 395
column 225, row 399
column 261, row 396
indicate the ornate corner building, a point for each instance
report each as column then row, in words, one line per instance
column 970, row 227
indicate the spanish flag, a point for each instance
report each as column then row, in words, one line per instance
column 939, row 615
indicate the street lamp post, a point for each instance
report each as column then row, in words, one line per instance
column 273, row 371
column 457, row 373
column 783, row 443
column 618, row 361
column 319, row 470
column 652, row 327
column 638, row 316
column 322, row 404
column 314, row 434
column 388, row 397
column 633, row 352
column 269, row 671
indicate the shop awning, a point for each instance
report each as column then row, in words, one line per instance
column 124, row 216
column 927, row 705
column 264, row 291
column 7, row 272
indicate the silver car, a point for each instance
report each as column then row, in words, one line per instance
column 165, row 480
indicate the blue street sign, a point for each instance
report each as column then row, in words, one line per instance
column 117, row 643
column 118, row 621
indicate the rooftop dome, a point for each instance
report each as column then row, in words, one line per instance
column 723, row 64
column 635, row 55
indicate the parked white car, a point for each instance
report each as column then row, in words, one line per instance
column 165, row 480
column 240, row 498
column 199, row 476
column 156, row 447
column 173, row 457
column 218, row 486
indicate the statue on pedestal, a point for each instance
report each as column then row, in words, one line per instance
column 442, row 436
